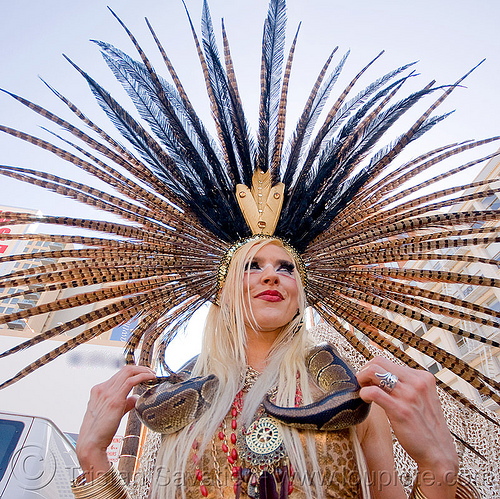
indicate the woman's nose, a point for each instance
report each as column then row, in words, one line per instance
column 269, row 274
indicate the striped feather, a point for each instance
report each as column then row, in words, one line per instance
column 354, row 212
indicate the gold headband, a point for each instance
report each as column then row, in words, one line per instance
column 226, row 259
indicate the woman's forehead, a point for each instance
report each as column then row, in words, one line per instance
column 273, row 252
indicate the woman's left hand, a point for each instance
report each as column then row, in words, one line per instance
column 414, row 410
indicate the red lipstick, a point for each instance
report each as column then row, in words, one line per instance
column 270, row 295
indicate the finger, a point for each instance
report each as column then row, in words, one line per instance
column 380, row 365
column 117, row 388
column 130, row 403
column 376, row 395
column 131, row 370
column 128, row 377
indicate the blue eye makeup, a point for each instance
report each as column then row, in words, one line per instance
column 286, row 268
column 282, row 267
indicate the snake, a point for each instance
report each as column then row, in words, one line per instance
column 178, row 400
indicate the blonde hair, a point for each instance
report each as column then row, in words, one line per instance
column 223, row 353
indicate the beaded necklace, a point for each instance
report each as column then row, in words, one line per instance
column 256, row 456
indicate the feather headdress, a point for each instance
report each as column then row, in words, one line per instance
column 331, row 190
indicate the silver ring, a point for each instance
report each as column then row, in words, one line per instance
column 387, row 381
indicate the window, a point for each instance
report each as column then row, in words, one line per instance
column 491, row 203
column 10, row 432
column 391, row 265
column 421, row 331
column 434, row 368
column 463, row 345
column 484, row 398
column 494, row 304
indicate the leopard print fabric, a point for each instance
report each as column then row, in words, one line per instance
column 337, row 471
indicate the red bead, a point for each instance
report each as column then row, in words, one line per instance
column 225, row 448
column 204, row 491
column 230, row 460
column 234, row 454
column 235, row 487
column 234, row 424
column 221, row 435
column 195, row 445
column 290, row 488
column 234, row 412
column 235, row 471
column 233, row 438
column 195, row 458
column 292, row 472
column 199, row 475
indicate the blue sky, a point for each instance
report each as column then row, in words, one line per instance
column 447, row 37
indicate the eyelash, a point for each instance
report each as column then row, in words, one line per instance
column 286, row 267
column 251, row 265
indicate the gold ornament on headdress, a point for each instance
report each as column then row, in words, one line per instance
column 261, row 205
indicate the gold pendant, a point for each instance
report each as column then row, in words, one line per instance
column 261, row 446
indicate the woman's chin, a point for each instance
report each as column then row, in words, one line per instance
column 267, row 326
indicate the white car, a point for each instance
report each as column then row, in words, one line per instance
column 36, row 459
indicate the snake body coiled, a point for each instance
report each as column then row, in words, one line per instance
column 168, row 407
column 340, row 408
column 179, row 400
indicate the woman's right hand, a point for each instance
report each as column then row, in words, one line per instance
column 109, row 402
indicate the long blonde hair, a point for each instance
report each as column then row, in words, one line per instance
column 223, row 353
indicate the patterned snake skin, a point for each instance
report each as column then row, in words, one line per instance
column 176, row 402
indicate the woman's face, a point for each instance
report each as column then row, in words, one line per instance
column 270, row 289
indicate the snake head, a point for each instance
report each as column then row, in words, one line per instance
column 172, row 379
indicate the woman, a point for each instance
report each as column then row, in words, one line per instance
column 355, row 210
column 258, row 326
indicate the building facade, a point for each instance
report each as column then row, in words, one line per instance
column 482, row 357
column 58, row 391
